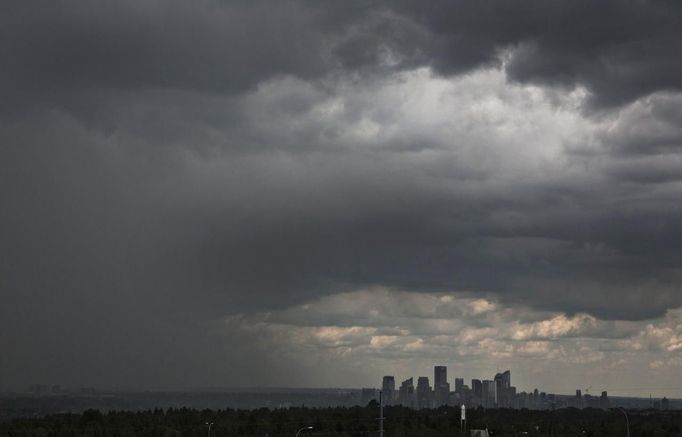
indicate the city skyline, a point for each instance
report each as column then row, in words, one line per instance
column 219, row 193
column 497, row 392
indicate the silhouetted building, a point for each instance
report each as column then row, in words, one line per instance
column 440, row 375
column 441, row 388
column 459, row 383
column 406, row 394
column 665, row 404
column 489, row 397
column 423, row 392
column 505, row 378
column 388, row 390
column 502, row 385
column 578, row 399
column 477, row 387
column 476, row 392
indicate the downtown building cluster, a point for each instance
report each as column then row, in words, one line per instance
column 488, row 393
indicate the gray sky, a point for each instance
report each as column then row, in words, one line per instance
column 319, row 193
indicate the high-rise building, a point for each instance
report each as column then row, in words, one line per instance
column 477, row 387
column 506, row 379
column 440, row 375
column 459, row 383
column 406, row 393
column 388, row 390
column 423, row 392
column 578, row 398
column 665, row 403
column 489, row 397
column 476, row 392
column 441, row 388
column 502, row 385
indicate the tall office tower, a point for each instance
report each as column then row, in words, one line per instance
column 506, row 379
column 441, row 388
column 477, row 387
column 502, row 384
column 388, row 390
column 406, row 393
column 665, row 403
column 476, row 392
column 489, row 398
column 440, row 375
column 459, row 383
column 423, row 392
column 578, row 399
column 499, row 388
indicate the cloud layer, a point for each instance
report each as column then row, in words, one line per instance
column 166, row 165
column 379, row 331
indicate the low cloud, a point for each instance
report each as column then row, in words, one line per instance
column 472, row 345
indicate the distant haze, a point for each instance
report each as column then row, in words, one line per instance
column 290, row 193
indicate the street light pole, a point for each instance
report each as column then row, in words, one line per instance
column 304, row 428
column 209, row 428
column 627, row 420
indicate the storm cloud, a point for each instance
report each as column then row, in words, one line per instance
column 168, row 166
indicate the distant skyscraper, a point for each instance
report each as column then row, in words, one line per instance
column 665, row 403
column 440, row 375
column 459, row 383
column 578, row 399
column 502, row 385
column 506, row 379
column 477, row 388
column 406, row 393
column 423, row 392
column 441, row 388
column 489, row 398
column 388, row 389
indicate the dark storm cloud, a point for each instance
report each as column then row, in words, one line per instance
column 167, row 163
column 619, row 50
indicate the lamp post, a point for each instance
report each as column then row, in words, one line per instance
column 209, row 428
column 627, row 420
column 304, row 428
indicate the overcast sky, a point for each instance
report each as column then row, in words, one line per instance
column 318, row 193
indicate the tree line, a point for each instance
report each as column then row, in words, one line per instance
column 346, row 422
